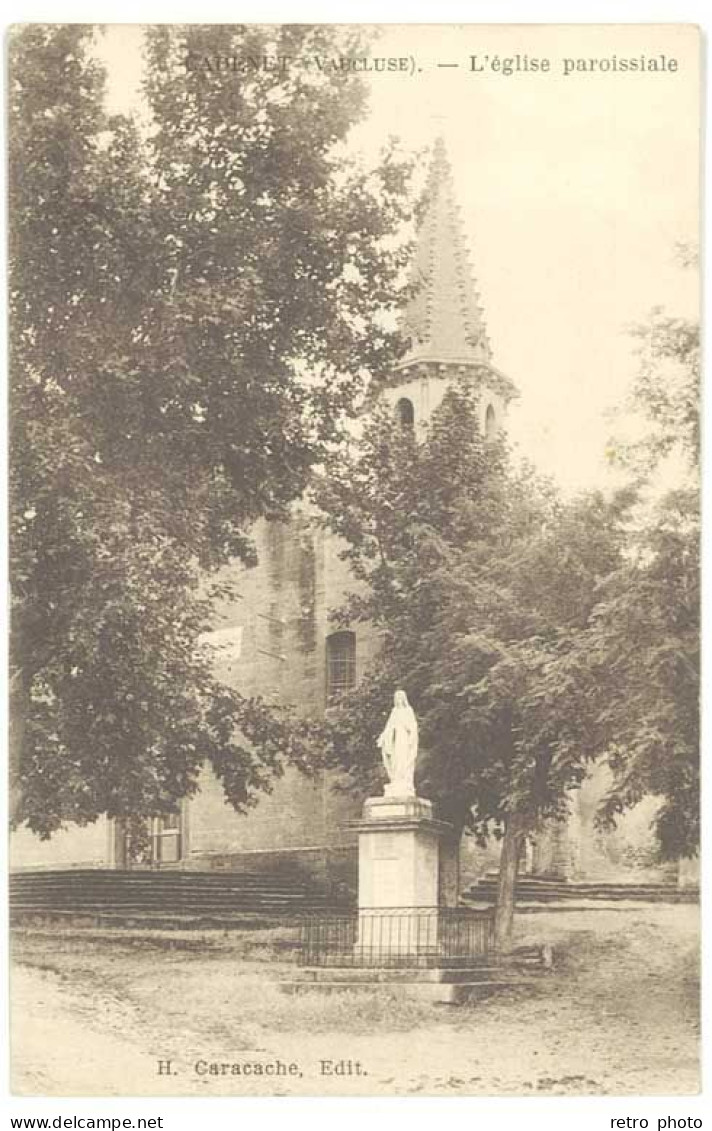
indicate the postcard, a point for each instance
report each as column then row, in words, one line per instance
column 354, row 419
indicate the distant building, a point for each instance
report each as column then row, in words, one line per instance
column 276, row 639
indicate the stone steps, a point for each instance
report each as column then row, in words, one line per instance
column 535, row 889
column 433, row 993
column 116, row 895
column 392, row 974
column 431, row 986
column 110, row 878
column 438, row 985
column 150, row 923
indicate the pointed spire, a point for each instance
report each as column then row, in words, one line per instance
column 443, row 319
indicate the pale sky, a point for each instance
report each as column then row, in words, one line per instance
column 574, row 191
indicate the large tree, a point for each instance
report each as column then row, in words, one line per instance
column 193, row 313
column 639, row 660
column 641, row 652
column 479, row 581
column 534, row 636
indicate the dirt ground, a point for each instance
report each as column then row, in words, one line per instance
column 618, row 1015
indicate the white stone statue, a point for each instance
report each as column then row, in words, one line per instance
column 399, row 747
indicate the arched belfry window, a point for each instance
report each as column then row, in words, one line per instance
column 490, row 423
column 340, row 664
column 405, row 413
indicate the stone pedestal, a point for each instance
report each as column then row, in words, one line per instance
column 399, row 843
column 402, row 937
column 398, row 853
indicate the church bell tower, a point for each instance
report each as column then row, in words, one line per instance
column 443, row 319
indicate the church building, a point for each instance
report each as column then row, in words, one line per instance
column 275, row 639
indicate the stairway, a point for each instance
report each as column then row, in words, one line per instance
column 536, row 889
column 165, row 897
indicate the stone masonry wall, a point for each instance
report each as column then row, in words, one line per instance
column 74, row 847
column 280, row 612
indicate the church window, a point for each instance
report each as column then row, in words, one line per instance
column 340, row 664
column 167, row 846
column 405, row 413
column 159, row 841
column 490, row 423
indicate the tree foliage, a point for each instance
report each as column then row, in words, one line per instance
column 188, row 333
column 642, row 648
column 665, row 393
column 641, row 653
column 533, row 636
column 479, row 581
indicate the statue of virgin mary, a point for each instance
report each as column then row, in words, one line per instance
column 399, row 747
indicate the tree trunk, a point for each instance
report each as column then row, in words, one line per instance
column 16, row 739
column 449, row 877
column 508, row 866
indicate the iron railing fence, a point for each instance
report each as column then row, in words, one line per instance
column 397, row 936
